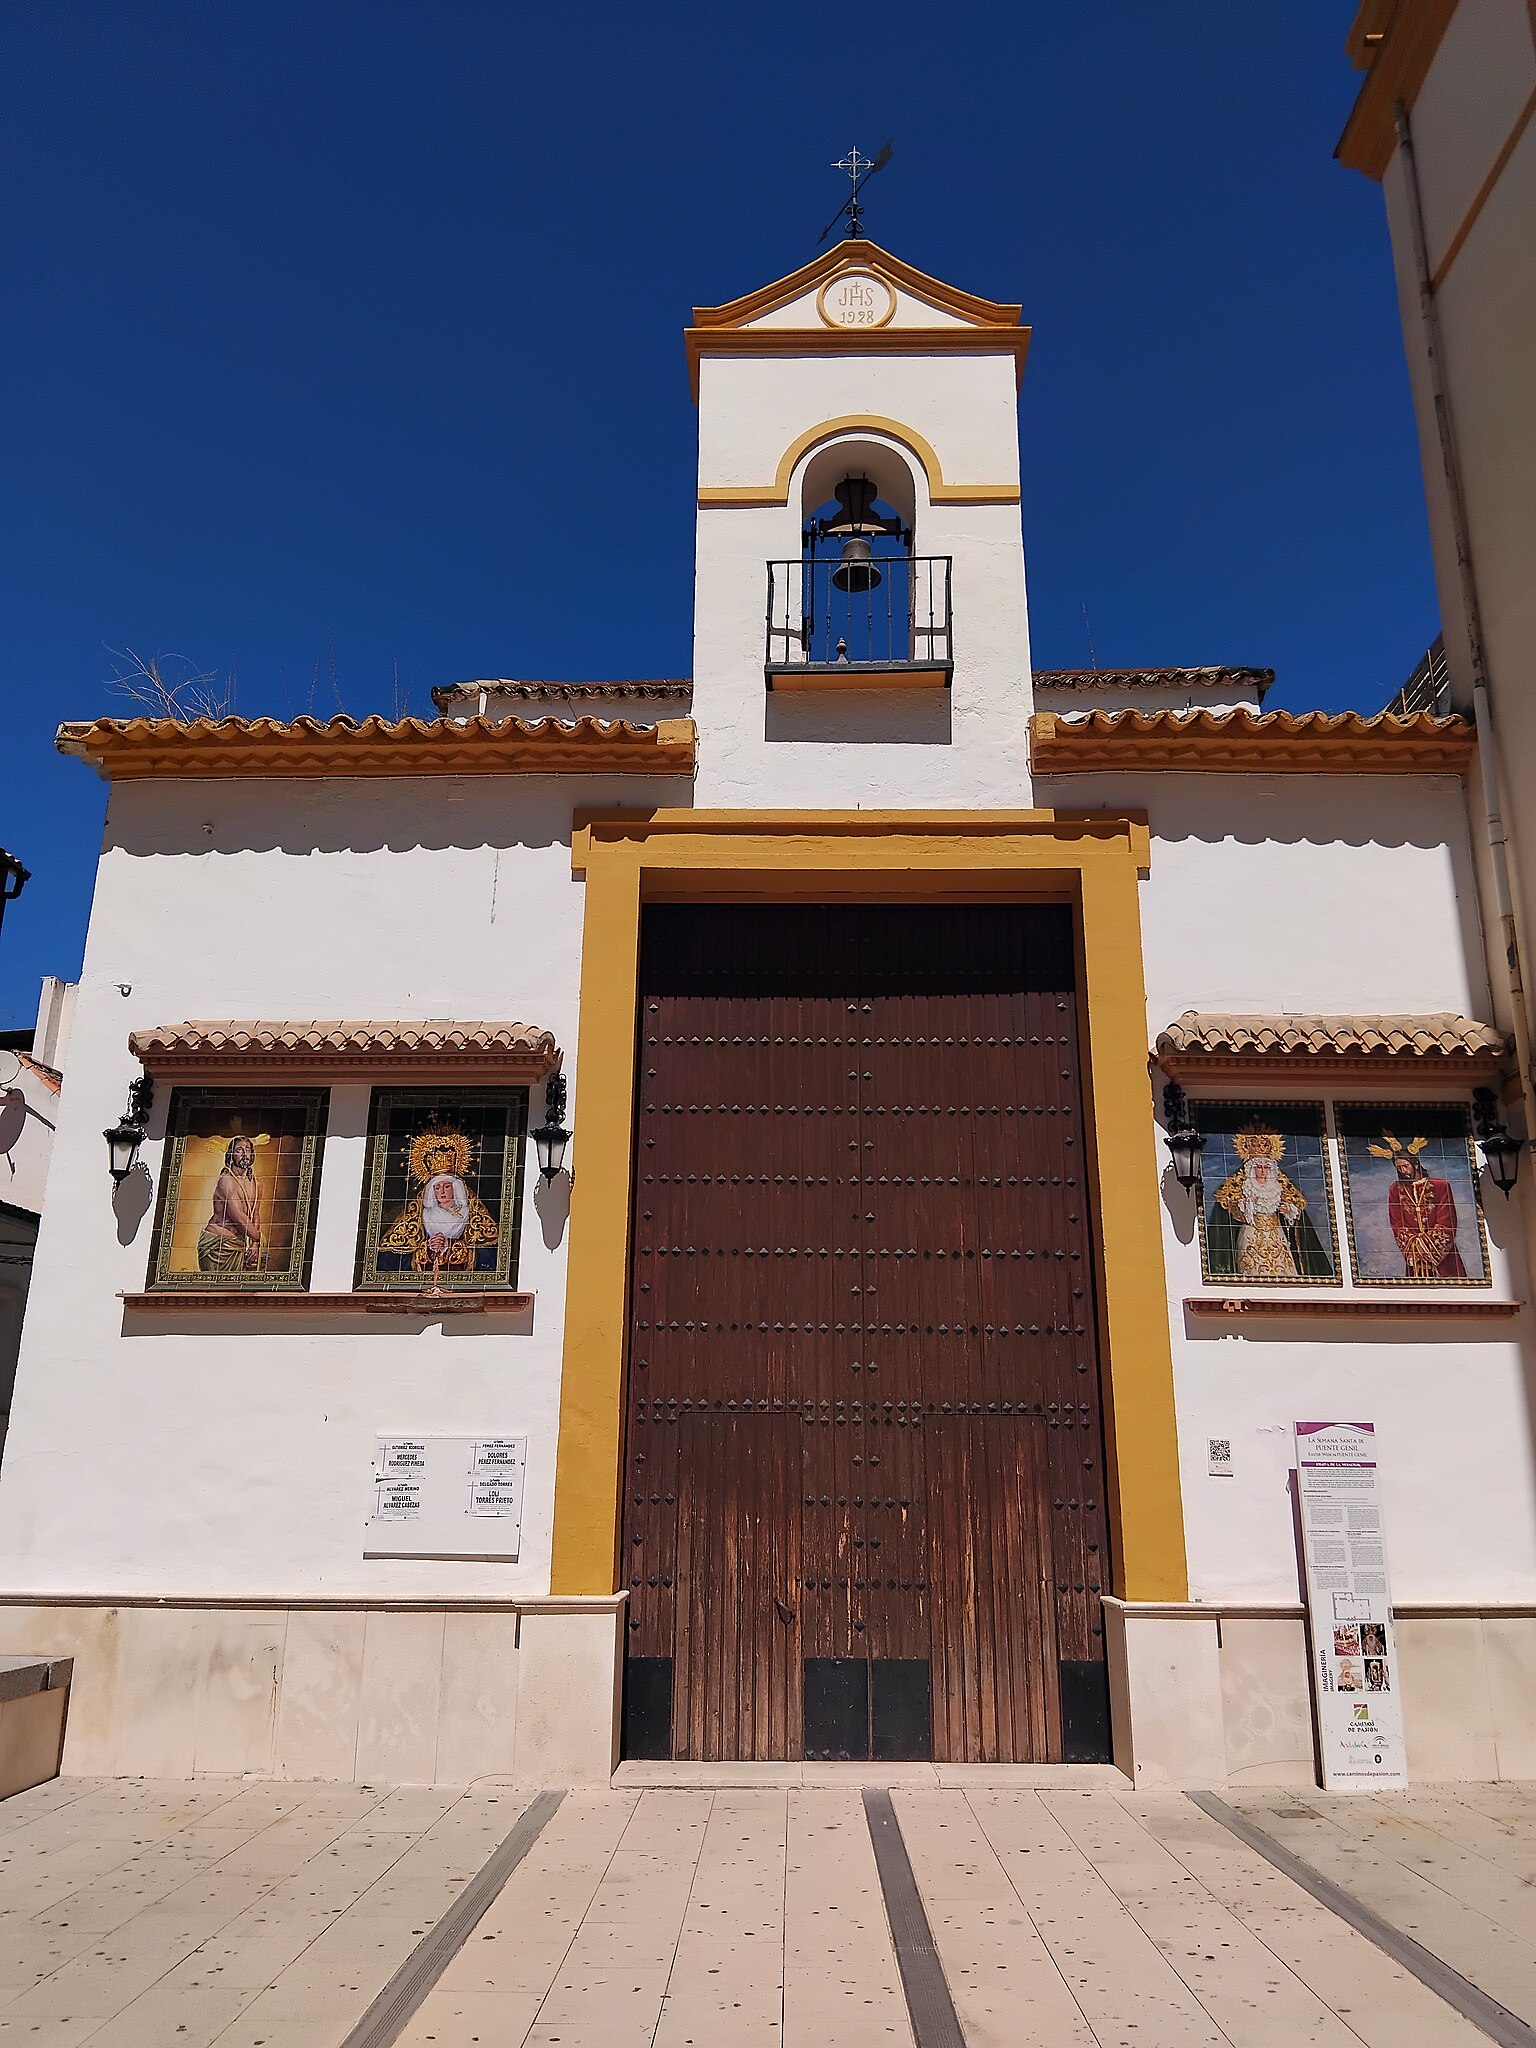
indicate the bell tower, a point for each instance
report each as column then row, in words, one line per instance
column 860, row 631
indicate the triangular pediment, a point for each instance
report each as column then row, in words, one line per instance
column 831, row 291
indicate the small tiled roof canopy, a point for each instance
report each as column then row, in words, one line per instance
column 1264, row 742
column 137, row 748
column 1203, row 1042
column 366, row 1048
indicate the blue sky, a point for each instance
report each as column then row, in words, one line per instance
column 343, row 340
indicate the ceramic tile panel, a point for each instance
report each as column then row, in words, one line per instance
column 402, row 1683
column 320, row 1696
column 159, row 1688
column 1446, row 1715
column 568, row 1703
column 1509, row 1650
column 1267, row 1701
column 477, row 1716
column 1166, row 1684
column 237, row 1715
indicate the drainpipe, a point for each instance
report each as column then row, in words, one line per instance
column 1482, row 710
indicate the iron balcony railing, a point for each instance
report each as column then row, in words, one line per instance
column 902, row 621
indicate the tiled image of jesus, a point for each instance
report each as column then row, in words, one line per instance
column 238, row 1186
column 230, row 1240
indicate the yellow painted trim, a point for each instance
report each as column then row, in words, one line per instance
column 903, row 675
column 939, row 492
column 1092, row 860
column 587, row 1473
column 857, row 255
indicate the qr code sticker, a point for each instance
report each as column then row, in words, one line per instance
column 1219, row 1456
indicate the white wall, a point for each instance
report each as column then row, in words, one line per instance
column 230, row 1455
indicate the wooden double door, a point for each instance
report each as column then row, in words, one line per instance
column 863, row 1511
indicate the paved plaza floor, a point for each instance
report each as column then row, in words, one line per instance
column 263, row 1915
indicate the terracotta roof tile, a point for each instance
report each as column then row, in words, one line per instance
column 50, row 1077
column 445, row 695
column 1263, row 742
column 340, row 1044
column 307, row 747
column 1440, row 1034
column 1154, row 678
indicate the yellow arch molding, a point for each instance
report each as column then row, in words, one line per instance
column 939, row 492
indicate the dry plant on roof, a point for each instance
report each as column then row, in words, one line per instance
column 171, row 686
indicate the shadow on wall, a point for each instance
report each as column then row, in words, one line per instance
column 552, row 1202
column 1279, row 810
column 1351, row 1337
column 132, row 1199
column 1181, row 1203
column 234, row 1324
column 368, row 815
column 852, row 717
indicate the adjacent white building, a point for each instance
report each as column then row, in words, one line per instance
column 1444, row 121
column 31, row 1078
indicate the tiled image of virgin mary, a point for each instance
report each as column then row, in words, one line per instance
column 442, row 1200
column 443, row 1224
column 1266, row 1212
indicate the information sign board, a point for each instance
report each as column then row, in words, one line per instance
column 1349, row 1599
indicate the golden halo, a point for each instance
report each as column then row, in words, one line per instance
column 430, row 1144
column 1393, row 1148
column 1255, row 1142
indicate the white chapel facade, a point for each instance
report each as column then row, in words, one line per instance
column 649, row 1232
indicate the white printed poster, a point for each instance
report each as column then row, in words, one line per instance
column 1349, row 1597
column 496, row 1476
column 397, row 1500
column 459, row 1497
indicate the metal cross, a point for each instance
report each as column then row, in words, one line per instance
column 859, row 170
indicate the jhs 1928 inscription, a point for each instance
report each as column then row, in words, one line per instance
column 857, row 300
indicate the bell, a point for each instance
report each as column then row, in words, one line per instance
column 856, row 572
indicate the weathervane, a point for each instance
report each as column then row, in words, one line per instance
column 859, row 170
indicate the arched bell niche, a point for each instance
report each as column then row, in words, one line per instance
column 860, row 581
column 886, row 467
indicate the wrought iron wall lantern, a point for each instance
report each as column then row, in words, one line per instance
column 551, row 1138
column 1500, row 1148
column 1184, row 1142
column 127, row 1134
column 13, row 879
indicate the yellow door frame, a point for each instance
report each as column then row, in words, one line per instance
column 1093, row 861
